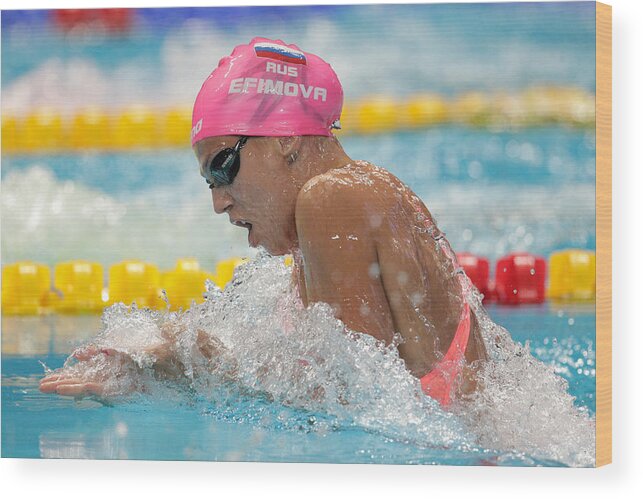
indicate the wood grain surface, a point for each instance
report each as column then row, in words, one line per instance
column 603, row 234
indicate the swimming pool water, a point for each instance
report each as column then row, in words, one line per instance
column 243, row 429
column 491, row 193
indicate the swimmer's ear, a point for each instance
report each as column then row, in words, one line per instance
column 289, row 148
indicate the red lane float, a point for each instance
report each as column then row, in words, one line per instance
column 114, row 21
column 477, row 269
column 68, row 19
column 520, row 278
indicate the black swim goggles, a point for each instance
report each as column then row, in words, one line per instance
column 224, row 166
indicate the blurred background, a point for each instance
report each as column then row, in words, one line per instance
column 485, row 110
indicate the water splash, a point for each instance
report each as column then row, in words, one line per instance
column 272, row 350
column 523, row 405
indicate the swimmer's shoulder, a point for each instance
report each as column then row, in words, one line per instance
column 400, row 198
column 361, row 190
column 357, row 185
column 343, row 201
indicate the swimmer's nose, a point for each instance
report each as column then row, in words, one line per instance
column 221, row 200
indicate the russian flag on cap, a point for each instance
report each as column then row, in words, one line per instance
column 279, row 53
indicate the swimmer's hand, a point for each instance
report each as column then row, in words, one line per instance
column 106, row 373
column 71, row 386
column 92, row 374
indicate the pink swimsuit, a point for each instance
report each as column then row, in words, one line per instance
column 440, row 381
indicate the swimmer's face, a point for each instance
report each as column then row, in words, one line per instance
column 262, row 197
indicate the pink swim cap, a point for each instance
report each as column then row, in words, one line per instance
column 268, row 88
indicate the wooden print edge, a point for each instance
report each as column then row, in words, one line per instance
column 603, row 234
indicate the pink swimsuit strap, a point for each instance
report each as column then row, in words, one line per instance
column 440, row 381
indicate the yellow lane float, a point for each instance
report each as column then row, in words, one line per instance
column 176, row 127
column 43, row 131
column 10, row 135
column 80, row 284
column 140, row 126
column 572, row 275
column 185, row 283
column 135, row 281
column 472, row 108
column 135, row 127
column 348, row 120
column 424, row 110
column 90, row 129
column 377, row 114
column 225, row 270
column 25, row 288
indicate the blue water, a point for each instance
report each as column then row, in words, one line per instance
column 243, row 428
column 492, row 193
column 544, row 156
column 530, row 189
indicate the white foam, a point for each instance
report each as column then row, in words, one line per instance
column 523, row 404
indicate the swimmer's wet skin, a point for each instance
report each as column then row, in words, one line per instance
column 362, row 241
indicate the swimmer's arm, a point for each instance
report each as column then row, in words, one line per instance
column 297, row 278
column 341, row 262
column 166, row 365
column 75, row 382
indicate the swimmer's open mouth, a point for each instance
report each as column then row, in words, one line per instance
column 242, row 223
